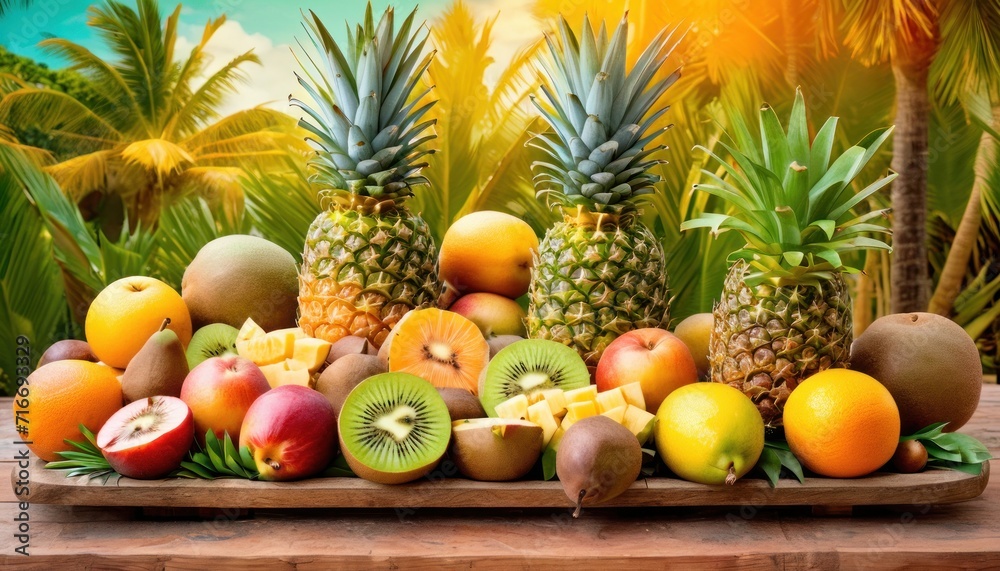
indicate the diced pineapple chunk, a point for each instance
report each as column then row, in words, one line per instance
column 610, row 399
column 295, row 365
column 249, row 330
column 556, row 438
column 584, row 394
column 311, row 351
column 580, row 410
column 557, row 401
column 541, row 414
column 616, row 414
column 639, row 422
column 633, row 395
column 297, row 377
column 271, row 372
column 515, row 408
column 297, row 332
column 271, row 348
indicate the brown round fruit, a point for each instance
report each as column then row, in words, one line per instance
column 461, row 403
column 346, row 373
column 239, row 276
column 910, row 457
column 66, row 350
column 495, row 449
column 350, row 345
column 929, row 364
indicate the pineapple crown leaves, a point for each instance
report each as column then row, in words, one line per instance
column 794, row 208
column 599, row 113
column 366, row 124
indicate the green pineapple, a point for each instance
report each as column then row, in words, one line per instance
column 600, row 272
column 367, row 260
column 785, row 311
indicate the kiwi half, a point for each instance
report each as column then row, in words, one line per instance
column 212, row 340
column 524, row 367
column 394, row 428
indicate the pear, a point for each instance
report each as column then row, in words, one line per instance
column 597, row 460
column 158, row 369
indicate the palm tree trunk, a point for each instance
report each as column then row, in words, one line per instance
column 956, row 265
column 910, row 282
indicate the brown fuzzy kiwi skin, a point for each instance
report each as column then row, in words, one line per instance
column 350, row 345
column 461, row 403
column 481, row 454
column 929, row 364
column 384, row 477
column 347, row 372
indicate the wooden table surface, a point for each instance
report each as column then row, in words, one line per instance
column 965, row 535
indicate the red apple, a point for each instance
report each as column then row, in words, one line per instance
column 655, row 358
column 220, row 391
column 291, row 432
column 493, row 314
column 148, row 438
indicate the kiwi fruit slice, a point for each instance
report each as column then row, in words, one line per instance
column 528, row 366
column 394, row 428
column 212, row 340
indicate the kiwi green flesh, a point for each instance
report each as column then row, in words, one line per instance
column 212, row 340
column 394, row 423
column 528, row 366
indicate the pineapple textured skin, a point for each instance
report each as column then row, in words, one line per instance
column 362, row 273
column 591, row 284
column 768, row 338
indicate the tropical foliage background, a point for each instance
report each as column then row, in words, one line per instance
column 124, row 165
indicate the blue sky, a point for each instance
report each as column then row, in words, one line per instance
column 269, row 27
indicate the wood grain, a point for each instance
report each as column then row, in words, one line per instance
column 929, row 487
column 962, row 535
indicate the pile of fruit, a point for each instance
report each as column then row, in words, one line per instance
column 381, row 356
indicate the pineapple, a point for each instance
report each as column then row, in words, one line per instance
column 785, row 310
column 367, row 260
column 599, row 272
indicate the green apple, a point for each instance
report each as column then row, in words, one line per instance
column 709, row 433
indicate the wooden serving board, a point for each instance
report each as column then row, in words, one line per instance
column 928, row 487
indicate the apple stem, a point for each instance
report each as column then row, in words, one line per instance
column 273, row 464
column 579, row 504
column 731, row 477
column 166, row 322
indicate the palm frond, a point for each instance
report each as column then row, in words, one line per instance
column 185, row 226
column 877, row 31
column 282, row 205
column 31, row 296
column 49, row 110
column 201, row 106
column 969, row 55
column 157, row 156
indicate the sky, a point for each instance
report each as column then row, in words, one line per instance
column 269, row 27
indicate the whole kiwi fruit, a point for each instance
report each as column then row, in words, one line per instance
column 340, row 378
column 461, row 403
column 528, row 366
column 929, row 364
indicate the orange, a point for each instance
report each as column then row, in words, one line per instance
column 488, row 251
column 439, row 346
column 61, row 396
column 123, row 316
column 841, row 423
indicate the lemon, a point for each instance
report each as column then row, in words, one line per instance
column 709, row 433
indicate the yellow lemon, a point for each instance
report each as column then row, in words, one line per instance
column 709, row 433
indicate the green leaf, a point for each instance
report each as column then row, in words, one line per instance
column 974, row 469
column 790, row 462
column 770, row 464
column 927, row 432
column 196, row 470
column 935, row 451
column 549, row 463
column 339, row 468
